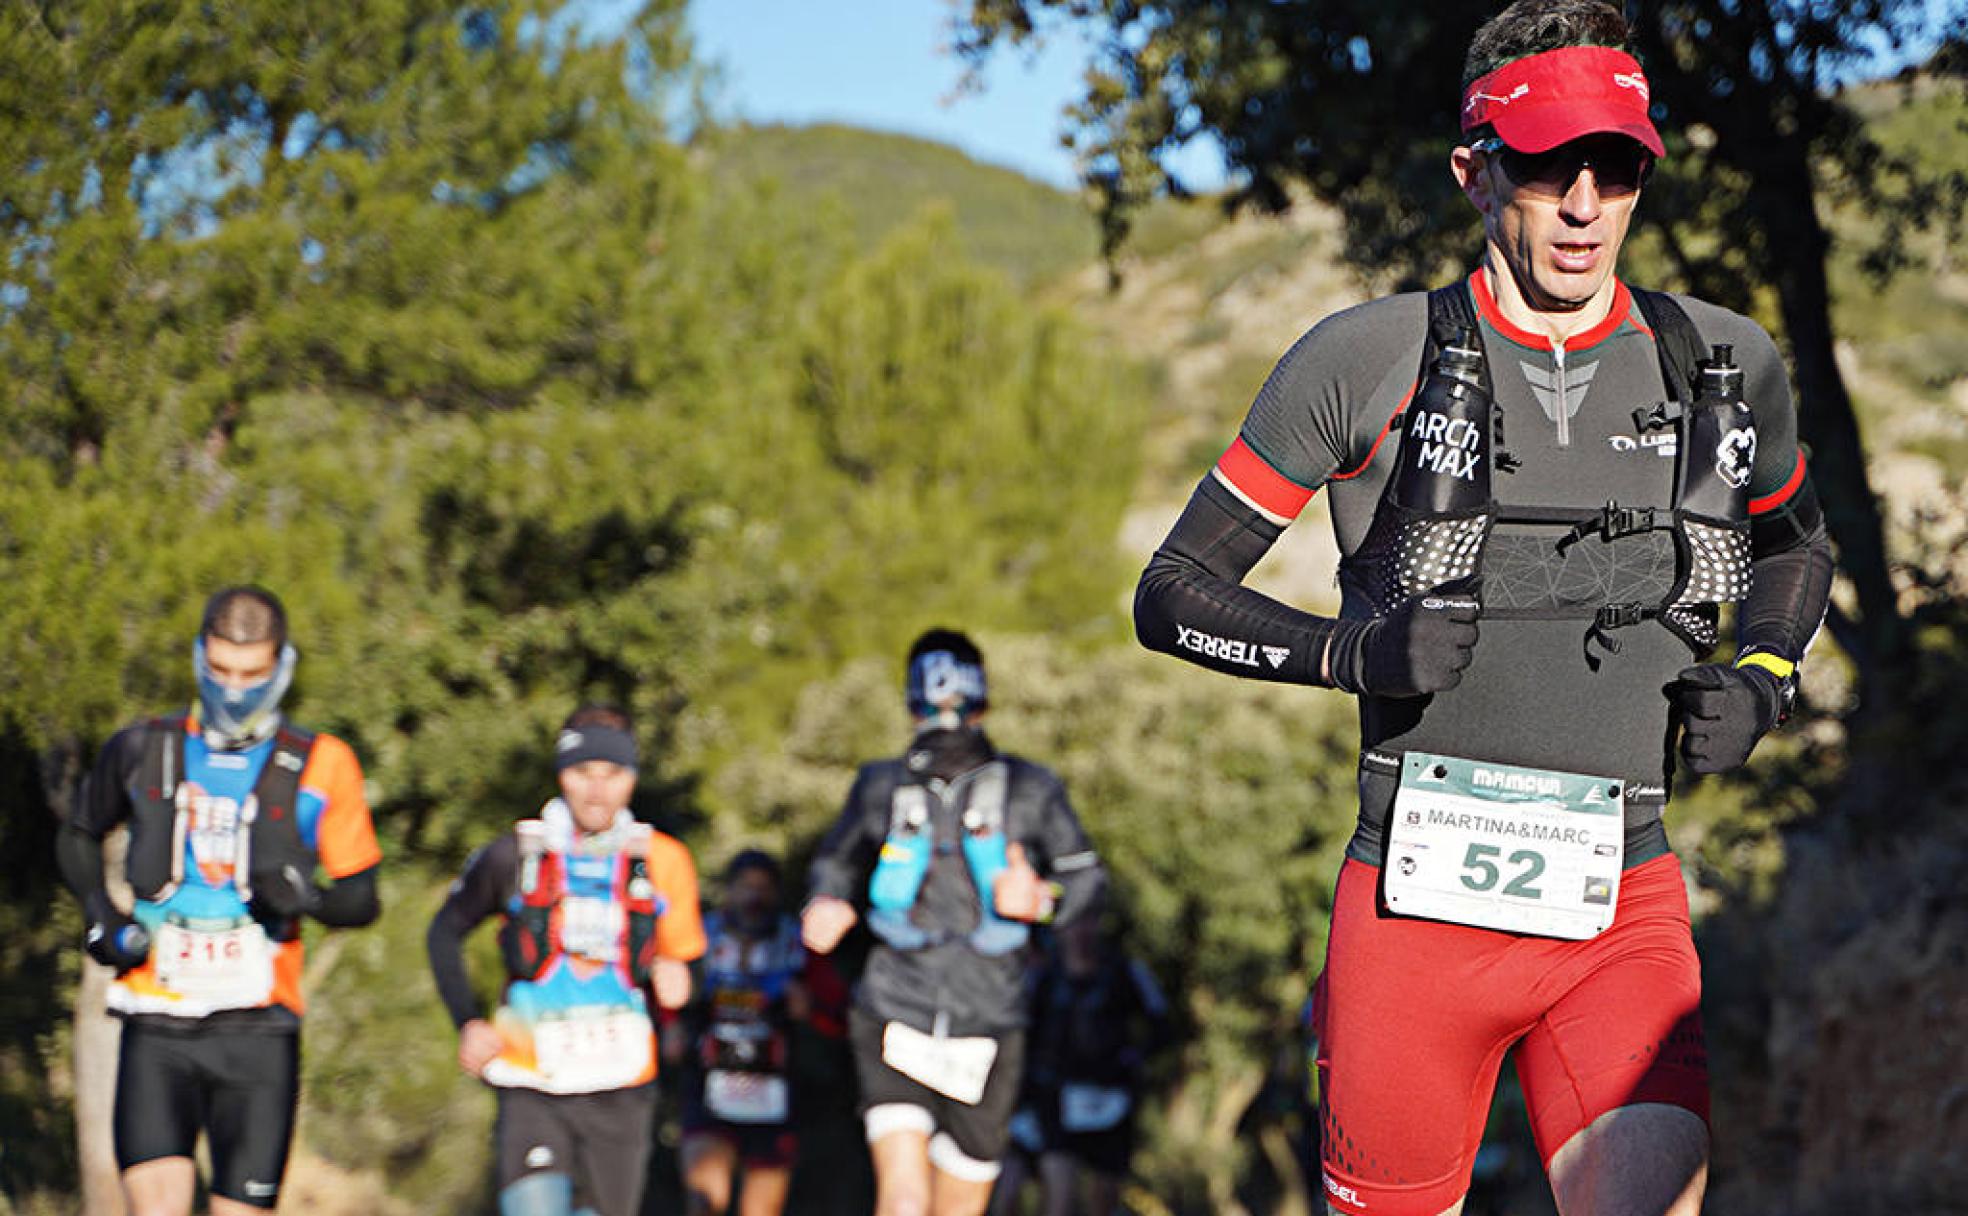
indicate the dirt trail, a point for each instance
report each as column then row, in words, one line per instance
column 319, row 1187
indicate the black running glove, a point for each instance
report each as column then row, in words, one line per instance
column 285, row 893
column 113, row 939
column 1419, row 648
column 1724, row 711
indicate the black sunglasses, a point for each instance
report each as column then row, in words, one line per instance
column 1620, row 166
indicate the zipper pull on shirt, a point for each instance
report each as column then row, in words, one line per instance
column 1564, row 407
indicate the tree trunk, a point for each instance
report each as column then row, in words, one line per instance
column 1297, row 1188
column 1235, row 1094
column 1783, row 201
column 97, row 1036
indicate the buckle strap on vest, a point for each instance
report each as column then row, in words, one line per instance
column 1614, row 522
column 1658, row 416
column 1611, row 617
column 1622, row 616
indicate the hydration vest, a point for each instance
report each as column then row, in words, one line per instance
column 616, row 927
column 910, row 847
column 1675, row 564
column 160, row 804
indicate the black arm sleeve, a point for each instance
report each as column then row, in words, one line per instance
column 1066, row 857
column 100, row 805
column 79, row 856
column 479, row 892
column 1787, row 598
column 1191, row 602
column 104, row 799
column 351, row 902
column 846, row 856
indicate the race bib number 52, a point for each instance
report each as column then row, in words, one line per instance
column 1500, row 847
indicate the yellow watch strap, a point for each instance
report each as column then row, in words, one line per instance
column 1777, row 666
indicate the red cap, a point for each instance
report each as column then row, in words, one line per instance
column 1543, row 100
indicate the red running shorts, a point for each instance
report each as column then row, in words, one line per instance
column 1414, row 1016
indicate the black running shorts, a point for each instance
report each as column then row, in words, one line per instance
column 601, row 1141
column 239, row 1088
column 983, row 1131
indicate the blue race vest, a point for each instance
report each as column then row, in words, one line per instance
column 909, row 847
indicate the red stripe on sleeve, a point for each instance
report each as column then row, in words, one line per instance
column 1770, row 502
column 1261, row 485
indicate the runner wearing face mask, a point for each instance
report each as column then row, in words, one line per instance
column 234, row 816
column 950, row 854
column 756, row 984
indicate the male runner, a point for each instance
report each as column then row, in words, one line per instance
column 1540, row 449
column 757, row 982
column 232, row 809
column 954, row 851
column 597, row 909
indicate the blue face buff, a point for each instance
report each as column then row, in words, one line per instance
column 943, row 689
column 241, row 715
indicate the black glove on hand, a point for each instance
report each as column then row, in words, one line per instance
column 113, row 939
column 285, row 893
column 1419, row 648
column 1724, row 711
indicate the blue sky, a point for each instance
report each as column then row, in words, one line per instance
column 885, row 64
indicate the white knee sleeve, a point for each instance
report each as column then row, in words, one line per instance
column 946, row 1156
column 890, row 1117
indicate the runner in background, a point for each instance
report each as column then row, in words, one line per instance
column 598, row 912
column 736, row 1041
column 1097, row 1018
column 1027, row 1134
column 951, row 853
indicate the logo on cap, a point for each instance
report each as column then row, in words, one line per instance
column 1501, row 99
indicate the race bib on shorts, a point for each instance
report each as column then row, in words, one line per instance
column 746, row 1097
column 955, row 1068
column 1521, row 850
column 1092, row 1108
column 214, row 964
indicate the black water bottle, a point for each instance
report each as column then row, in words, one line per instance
column 1721, row 440
column 1445, row 441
